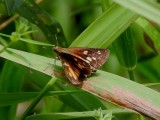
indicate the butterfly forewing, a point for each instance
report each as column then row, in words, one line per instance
column 96, row 57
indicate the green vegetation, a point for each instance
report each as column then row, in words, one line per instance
column 33, row 85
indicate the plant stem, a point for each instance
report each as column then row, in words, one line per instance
column 131, row 75
column 5, row 47
column 38, row 98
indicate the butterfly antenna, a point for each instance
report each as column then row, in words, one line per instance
column 54, row 65
column 56, row 40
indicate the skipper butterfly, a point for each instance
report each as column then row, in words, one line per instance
column 78, row 63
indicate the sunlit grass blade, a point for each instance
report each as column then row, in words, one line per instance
column 103, row 31
column 146, row 8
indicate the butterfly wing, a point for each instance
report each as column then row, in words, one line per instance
column 96, row 57
column 78, row 63
column 75, row 69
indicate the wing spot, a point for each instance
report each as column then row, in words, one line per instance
column 93, row 58
column 90, row 59
column 65, row 64
column 87, row 61
column 85, row 52
column 99, row 52
column 75, row 59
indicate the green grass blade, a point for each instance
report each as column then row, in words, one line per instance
column 147, row 8
column 151, row 32
column 103, row 31
column 125, row 50
column 15, row 98
column 71, row 115
column 35, row 42
column 10, row 82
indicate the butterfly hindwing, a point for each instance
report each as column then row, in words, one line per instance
column 75, row 69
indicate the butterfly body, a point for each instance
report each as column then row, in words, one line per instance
column 78, row 63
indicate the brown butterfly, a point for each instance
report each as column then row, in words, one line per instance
column 80, row 62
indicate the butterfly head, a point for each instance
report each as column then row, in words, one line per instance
column 61, row 51
column 57, row 49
